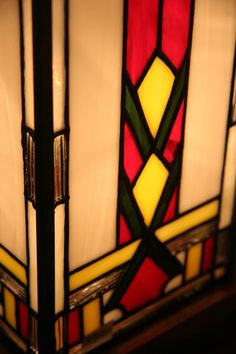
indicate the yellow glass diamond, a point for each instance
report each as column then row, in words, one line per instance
column 154, row 93
column 149, row 186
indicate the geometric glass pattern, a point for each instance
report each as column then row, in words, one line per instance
column 158, row 249
column 159, row 252
column 154, row 93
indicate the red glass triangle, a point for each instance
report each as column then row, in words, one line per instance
column 170, row 213
column 146, row 285
column 125, row 235
column 132, row 158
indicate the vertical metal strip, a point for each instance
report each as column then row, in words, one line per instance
column 24, row 145
column 43, row 111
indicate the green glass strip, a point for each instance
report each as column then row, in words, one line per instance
column 129, row 209
column 132, row 269
column 137, row 124
column 167, row 193
column 162, row 256
column 169, row 115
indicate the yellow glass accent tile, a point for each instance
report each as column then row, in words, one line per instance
column 154, row 93
column 103, row 265
column 186, row 222
column 9, row 307
column 91, row 316
column 193, row 266
column 149, row 186
column 13, row 266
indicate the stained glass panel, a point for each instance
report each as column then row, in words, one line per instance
column 113, row 172
column 176, row 247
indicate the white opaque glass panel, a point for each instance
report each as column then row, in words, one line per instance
column 33, row 268
column 113, row 316
column 174, row 283
column 229, row 184
column 59, row 256
column 28, row 62
column 96, row 30
column 58, row 49
column 12, row 205
column 208, row 100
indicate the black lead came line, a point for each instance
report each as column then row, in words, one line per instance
column 43, row 115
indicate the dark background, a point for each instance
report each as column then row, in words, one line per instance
column 219, row 339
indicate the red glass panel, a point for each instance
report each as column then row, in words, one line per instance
column 146, row 285
column 175, row 136
column 125, row 235
column 73, row 326
column 132, row 158
column 170, row 213
column 175, row 29
column 23, row 319
column 208, row 254
column 141, row 35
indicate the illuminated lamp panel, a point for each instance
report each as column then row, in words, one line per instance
column 168, row 241
column 165, row 234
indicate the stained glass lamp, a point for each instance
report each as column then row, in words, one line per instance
column 118, row 162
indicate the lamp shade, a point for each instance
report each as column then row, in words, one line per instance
column 118, row 162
